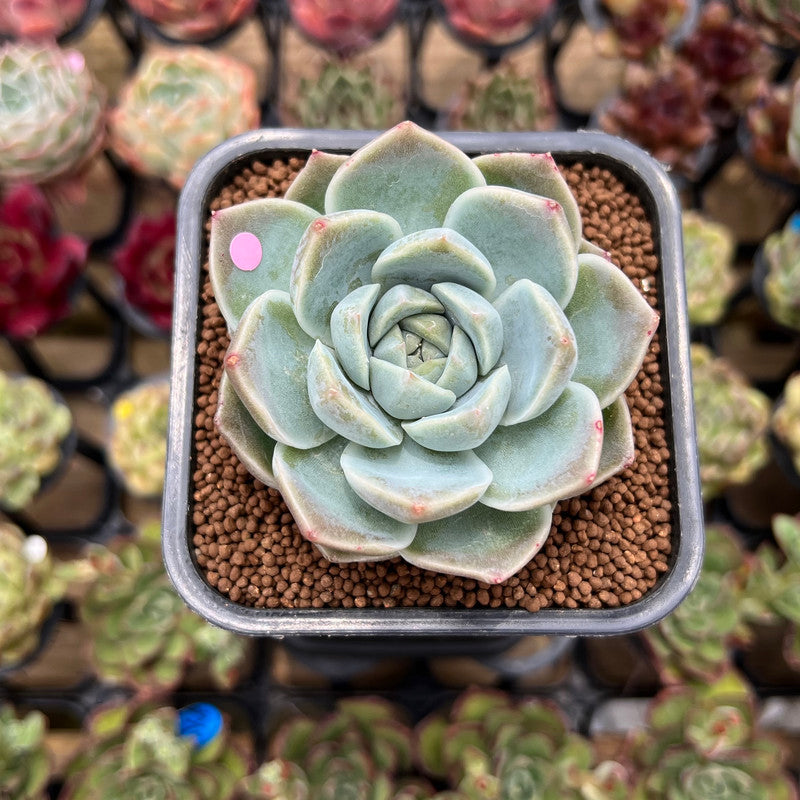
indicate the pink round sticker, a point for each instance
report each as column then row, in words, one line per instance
column 246, row 251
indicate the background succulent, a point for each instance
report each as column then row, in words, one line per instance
column 33, row 424
column 708, row 249
column 24, row 762
column 498, row 22
column 639, row 28
column 780, row 17
column 409, row 372
column 782, row 281
column 39, row 19
column 39, row 264
column 793, row 139
column 786, row 419
column 767, row 119
column 504, row 100
column 138, row 443
column 141, row 632
column 732, row 419
column 345, row 95
column 134, row 753
column 193, row 19
column 51, row 112
column 177, row 106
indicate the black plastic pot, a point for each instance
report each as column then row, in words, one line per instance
column 643, row 176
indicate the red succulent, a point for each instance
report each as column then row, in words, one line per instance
column 38, row 264
column 146, row 263
column 39, row 19
column 193, row 19
column 768, row 120
column 344, row 26
column 495, row 22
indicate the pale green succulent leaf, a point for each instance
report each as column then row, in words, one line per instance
column 412, row 484
column 247, row 441
column 619, row 448
column 392, row 347
column 461, row 369
column 480, row 543
column 435, row 255
column 522, row 235
column 538, row 348
column 345, row 408
column 590, row 247
column 408, row 173
column 471, row 419
column 275, row 390
column 397, row 303
column 334, row 257
column 787, row 533
column 349, row 322
column 404, row 395
column 310, row 185
column 328, row 511
column 433, row 328
column 267, row 226
column 548, row 458
column 430, row 370
column 477, row 317
column 605, row 301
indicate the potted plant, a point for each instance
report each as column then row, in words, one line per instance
column 277, row 567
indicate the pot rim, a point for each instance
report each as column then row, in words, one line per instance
column 654, row 188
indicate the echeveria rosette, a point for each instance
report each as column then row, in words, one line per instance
column 420, row 357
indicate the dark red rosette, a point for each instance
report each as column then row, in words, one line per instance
column 146, row 264
column 38, row 264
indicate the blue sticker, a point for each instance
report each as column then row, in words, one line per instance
column 794, row 222
column 201, row 721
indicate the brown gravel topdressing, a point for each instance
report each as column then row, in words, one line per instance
column 606, row 548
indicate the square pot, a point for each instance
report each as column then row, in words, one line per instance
column 642, row 176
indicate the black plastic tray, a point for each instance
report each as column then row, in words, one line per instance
column 641, row 174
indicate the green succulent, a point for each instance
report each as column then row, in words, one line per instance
column 425, row 371
column 504, row 100
column 361, row 751
column 51, row 112
column 708, row 249
column 33, row 424
column 179, row 104
column 786, row 419
column 782, row 282
column 134, row 755
column 694, row 641
column 138, row 446
column 732, row 419
column 141, row 632
column 24, row 762
column 345, row 96
column 490, row 747
column 702, row 742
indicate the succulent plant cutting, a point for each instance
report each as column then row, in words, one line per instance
column 193, row 19
column 781, row 253
column 421, row 371
column 39, row 19
column 177, row 106
column 24, row 762
column 51, row 112
column 33, row 424
column 786, row 419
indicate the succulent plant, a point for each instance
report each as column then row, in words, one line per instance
column 767, row 119
column 694, row 641
column 146, row 263
column 38, row 265
column 32, row 583
column 665, row 111
column 191, row 20
column 396, row 393
column 793, row 137
column 177, row 106
column 345, row 96
column 702, row 742
column 141, row 632
column 33, row 424
column 51, row 112
column 708, row 249
column 504, row 100
column 782, row 281
column 360, row 751
column 24, row 762
column 495, row 22
column 39, row 19
column 786, row 419
column 138, row 445
column 134, row 754
column 780, row 17
column 490, row 747
column 638, row 28
column 732, row 419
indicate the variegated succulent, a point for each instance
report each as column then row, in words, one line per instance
column 51, row 112
column 782, row 281
column 786, row 419
column 420, row 357
column 708, row 249
column 24, row 762
column 732, row 420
